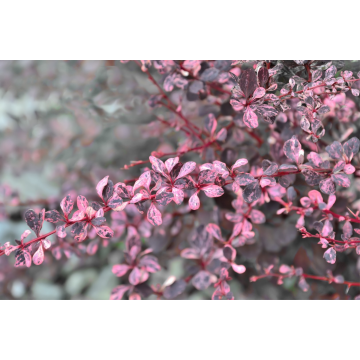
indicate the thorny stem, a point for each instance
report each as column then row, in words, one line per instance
column 307, row 276
column 177, row 153
column 172, row 106
column 44, row 236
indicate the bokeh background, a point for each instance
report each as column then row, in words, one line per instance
column 64, row 125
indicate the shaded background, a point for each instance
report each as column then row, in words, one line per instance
column 64, row 125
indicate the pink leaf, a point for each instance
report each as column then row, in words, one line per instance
column 120, row 269
column 315, row 197
column 327, row 186
column 238, row 163
column 284, row 269
column 213, row 191
column 158, row 166
column 100, row 186
column 215, row 231
column 240, row 269
column 67, row 205
column 25, row 234
column 82, row 203
column 60, row 231
column 257, row 217
column 149, row 263
column 118, row 292
column 154, row 215
column 116, row 202
column 92, row 247
column 259, row 93
column 143, row 181
column 104, row 231
column 170, row 163
column 38, row 257
column 250, row 118
column 190, row 253
column 178, row 195
column 341, row 180
column 194, row 201
column 138, row 276
column 221, row 135
column 186, row 169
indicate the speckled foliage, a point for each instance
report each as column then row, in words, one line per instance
column 242, row 182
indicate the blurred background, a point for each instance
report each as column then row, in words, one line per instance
column 64, row 125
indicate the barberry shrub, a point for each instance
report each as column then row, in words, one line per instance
column 266, row 160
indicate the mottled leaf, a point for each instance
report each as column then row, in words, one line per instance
column 154, row 215
column 201, row 280
column 252, row 192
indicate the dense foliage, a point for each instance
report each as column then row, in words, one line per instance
column 255, row 175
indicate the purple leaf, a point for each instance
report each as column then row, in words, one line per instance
column 244, row 179
column 257, row 217
column 22, row 257
column 215, row 231
column 115, row 203
column 252, row 192
column 33, row 221
column 210, row 74
column 52, row 216
column 351, row 147
column 163, row 197
column 263, row 76
column 248, row 82
column 149, row 263
column 269, row 167
column 202, row 280
column 79, row 230
column 174, row 289
column 334, row 150
column 229, row 252
column 341, row 180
